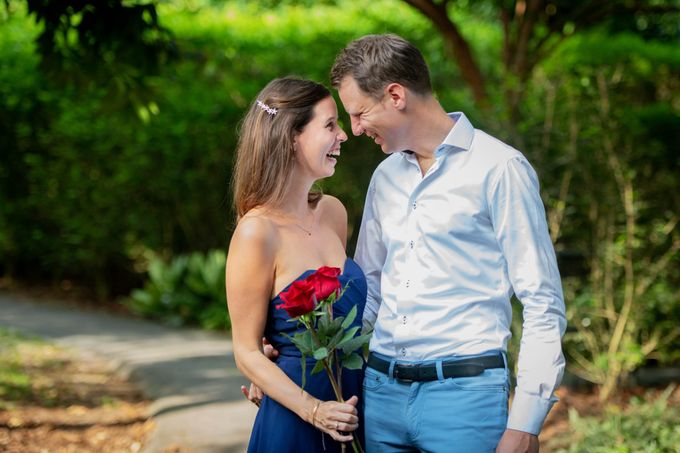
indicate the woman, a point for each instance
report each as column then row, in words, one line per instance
column 289, row 139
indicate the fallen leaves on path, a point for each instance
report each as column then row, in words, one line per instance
column 55, row 401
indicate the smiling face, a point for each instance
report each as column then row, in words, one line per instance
column 379, row 119
column 318, row 145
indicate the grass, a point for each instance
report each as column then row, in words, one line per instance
column 15, row 384
column 26, row 363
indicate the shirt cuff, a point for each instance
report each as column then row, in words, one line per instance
column 528, row 412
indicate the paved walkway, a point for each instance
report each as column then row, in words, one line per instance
column 189, row 374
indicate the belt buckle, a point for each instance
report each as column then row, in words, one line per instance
column 403, row 367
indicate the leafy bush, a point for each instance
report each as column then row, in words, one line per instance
column 616, row 197
column 73, row 158
column 643, row 427
column 187, row 290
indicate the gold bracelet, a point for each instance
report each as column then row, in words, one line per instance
column 318, row 403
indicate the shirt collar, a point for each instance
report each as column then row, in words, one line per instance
column 459, row 138
column 461, row 134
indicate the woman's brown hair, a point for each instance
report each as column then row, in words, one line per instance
column 264, row 156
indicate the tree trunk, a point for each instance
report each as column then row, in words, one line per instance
column 457, row 47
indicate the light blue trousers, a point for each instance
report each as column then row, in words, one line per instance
column 466, row 415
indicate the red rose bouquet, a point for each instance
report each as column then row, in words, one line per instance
column 310, row 302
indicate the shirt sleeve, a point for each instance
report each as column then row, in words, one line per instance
column 521, row 229
column 370, row 255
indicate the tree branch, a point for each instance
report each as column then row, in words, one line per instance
column 657, row 267
column 456, row 45
column 507, row 49
column 526, row 31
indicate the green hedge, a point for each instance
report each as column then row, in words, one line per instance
column 85, row 183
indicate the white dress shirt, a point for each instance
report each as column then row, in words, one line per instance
column 443, row 253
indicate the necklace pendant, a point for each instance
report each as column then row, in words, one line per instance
column 309, row 232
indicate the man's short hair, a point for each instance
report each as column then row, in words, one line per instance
column 375, row 61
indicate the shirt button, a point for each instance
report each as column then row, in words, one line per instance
column 414, row 206
column 411, row 244
column 403, row 320
column 403, row 352
column 408, row 283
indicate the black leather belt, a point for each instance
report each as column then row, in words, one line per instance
column 451, row 369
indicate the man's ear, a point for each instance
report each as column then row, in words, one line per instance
column 397, row 93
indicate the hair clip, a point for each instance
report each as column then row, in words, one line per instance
column 266, row 108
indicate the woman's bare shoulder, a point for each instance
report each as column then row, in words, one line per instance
column 256, row 228
column 331, row 207
column 333, row 213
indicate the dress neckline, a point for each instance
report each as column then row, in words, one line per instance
column 303, row 274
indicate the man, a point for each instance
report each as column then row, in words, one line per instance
column 453, row 225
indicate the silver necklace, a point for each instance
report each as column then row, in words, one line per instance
column 306, row 230
column 309, row 232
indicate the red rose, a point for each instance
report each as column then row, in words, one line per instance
column 298, row 299
column 325, row 282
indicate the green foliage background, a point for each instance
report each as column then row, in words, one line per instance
column 97, row 184
column 87, row 186
column 646, row 425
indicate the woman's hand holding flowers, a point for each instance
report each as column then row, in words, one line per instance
column 336, row 419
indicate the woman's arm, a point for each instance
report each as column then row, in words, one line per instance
column 249, row 277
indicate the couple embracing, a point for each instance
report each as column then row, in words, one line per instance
column 453, row 226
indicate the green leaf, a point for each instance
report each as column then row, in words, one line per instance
column 323, row 322
column 349, row 334
column 350, row 318
column 356, row 343
column 337, row 338
column 321, row 353
column 303, row 365
column 303, row 341
column 337, row 324
column 327, row 329
column 318, row 367
column 353, row 361
column 365, row 349
column 321, row 336
column 309, row 343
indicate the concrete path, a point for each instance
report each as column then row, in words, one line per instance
column 189, row 374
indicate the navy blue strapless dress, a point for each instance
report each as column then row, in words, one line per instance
column 276, row 428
